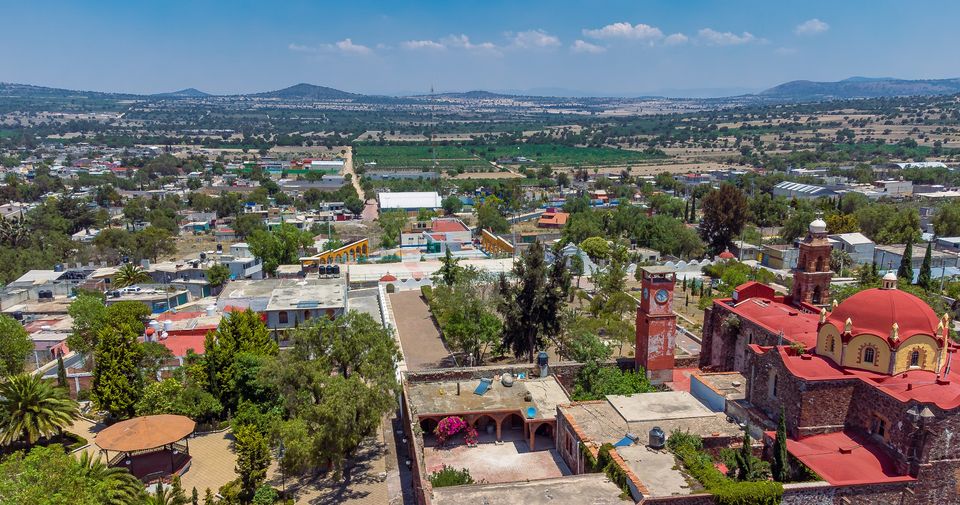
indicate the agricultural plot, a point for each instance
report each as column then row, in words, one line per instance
column 560, row 155
column 417, row 157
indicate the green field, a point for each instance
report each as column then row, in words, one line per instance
column 473, row 158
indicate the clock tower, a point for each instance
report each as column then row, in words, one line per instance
column 656, row 323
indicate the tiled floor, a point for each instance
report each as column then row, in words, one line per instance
column 510, row 461
column 422, row 346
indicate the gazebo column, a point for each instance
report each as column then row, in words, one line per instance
column 533, row 436
column 499, row 423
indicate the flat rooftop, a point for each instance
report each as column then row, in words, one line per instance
column 309, row 294
column 592, row 488
column 442, row 397
column 609, row 421
column 731, row 385
column 657, row 470
column 258, row 294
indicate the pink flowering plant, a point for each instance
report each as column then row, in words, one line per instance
column 450, row 426
column 471, row 436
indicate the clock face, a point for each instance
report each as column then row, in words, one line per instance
column 662, row 296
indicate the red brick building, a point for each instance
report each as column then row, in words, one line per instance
column 867, row 387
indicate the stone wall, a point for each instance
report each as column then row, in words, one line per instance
column 565, row 372
column 821, row 493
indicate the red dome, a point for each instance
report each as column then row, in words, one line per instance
column 873, row 311
column 727, row 255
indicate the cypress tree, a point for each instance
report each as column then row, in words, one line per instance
column 744, row 457
column 925, row 279
column 117, row 382
column 684, row 285
column 905, row 271
column 61, row 372
column 781, row 463
column 693, row 209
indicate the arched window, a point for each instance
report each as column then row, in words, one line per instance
column 830, row 344
column 820, row 264
column 869, row 355
column 915, row 358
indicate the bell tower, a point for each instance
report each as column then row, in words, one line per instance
column 656, row 323
column 811, row 277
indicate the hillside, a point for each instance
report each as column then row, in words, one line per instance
column 304, row 91
column 184, row 93
column 861, row 87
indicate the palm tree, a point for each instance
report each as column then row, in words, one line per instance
column 129, row 274
column 32, row 409
column 162, row 496
column 124, row 487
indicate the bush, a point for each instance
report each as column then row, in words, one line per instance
column 689, row 449
column 427, row 293
column 450, row 476
column 265, row 495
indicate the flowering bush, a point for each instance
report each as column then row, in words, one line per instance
column 471, row 436
column 448, row 427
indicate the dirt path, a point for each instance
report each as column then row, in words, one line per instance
column 422, row 346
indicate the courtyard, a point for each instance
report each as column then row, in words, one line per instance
column 510, row 460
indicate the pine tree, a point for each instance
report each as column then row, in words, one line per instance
column 61, row 372
column 744, row 457
column 117, row 382
column 905, row 272
column 686, row 211
column 693, row 209
column 208, row 498
column 925, row 279
column 194, row 497
column 684, row 285
column 781, row 462
column 253, row 459
column 531, row 307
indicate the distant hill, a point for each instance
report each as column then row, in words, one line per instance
column 472, row 95
column 183, row 93
column 304, row 91
column 861, row 87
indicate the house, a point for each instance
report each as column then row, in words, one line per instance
column 779, row 256
column 286, row 303
column 157, row 300
column 439, row 231
column 856, row 244
column 888, row 257
column 789, row 189
column 553, row 218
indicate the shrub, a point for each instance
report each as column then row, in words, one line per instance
column 265, row 495
column 427, row 293
column 689, row 449
column 450, row 476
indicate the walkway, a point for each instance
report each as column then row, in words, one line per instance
column 422, row 346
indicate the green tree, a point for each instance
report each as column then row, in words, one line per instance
column 154, row 241
column 905, row 271
column 15, row 346
column 531, row 307
column 490, row 216
column 88, row 312
column 61, row 372
column 596, row 382
column 449, row 269
column 129, row 274
column 781, row 462
column 33, row 409
column 239, row 333
column 165, row 496
column 253, row 460
column 154, row 356
column 49, row 475
column 117, row 381
column 218, row 275
column 391, row 224
column 597, row 248
column 123, row 487
column 745, row 470
column 946, row 221
column 725, row 212
column 452, row 204
column 336, row 383
column 282, row 246
column 925, row 279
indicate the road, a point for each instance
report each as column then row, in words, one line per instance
column 370, row 208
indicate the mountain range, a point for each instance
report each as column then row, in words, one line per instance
column 793, row 91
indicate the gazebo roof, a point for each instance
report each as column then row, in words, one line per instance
column 147, row 432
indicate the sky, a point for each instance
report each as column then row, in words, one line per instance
column 599, row 47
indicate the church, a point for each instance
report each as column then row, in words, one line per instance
column 866, row 387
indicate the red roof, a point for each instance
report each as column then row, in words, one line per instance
column 845, row 459
column 727, row 255
column 447, row 225
column 776, row 316
column 873, row 311
column 180, row 342
column 553, row 218
column 388, row 278
column 915, row 385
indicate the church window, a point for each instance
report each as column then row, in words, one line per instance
column 869, row 355
column 915, row 358
column 830, row 344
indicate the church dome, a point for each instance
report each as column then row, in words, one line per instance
column 818, row 226
column 876, row 311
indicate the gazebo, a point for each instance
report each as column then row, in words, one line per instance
column 152, row 448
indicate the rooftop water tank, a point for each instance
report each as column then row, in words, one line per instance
column 211, row 310
column 657, row 438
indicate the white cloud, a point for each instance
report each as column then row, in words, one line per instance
column 422, row 44
column 676, row 39
column 580, row 46
column 462, row 41
column 811, row 27
column 533, row 39
column 347, row 46
column 344, row 46
column 624, row 30
column 714, row 38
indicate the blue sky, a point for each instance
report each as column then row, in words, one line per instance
column 610, row 47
